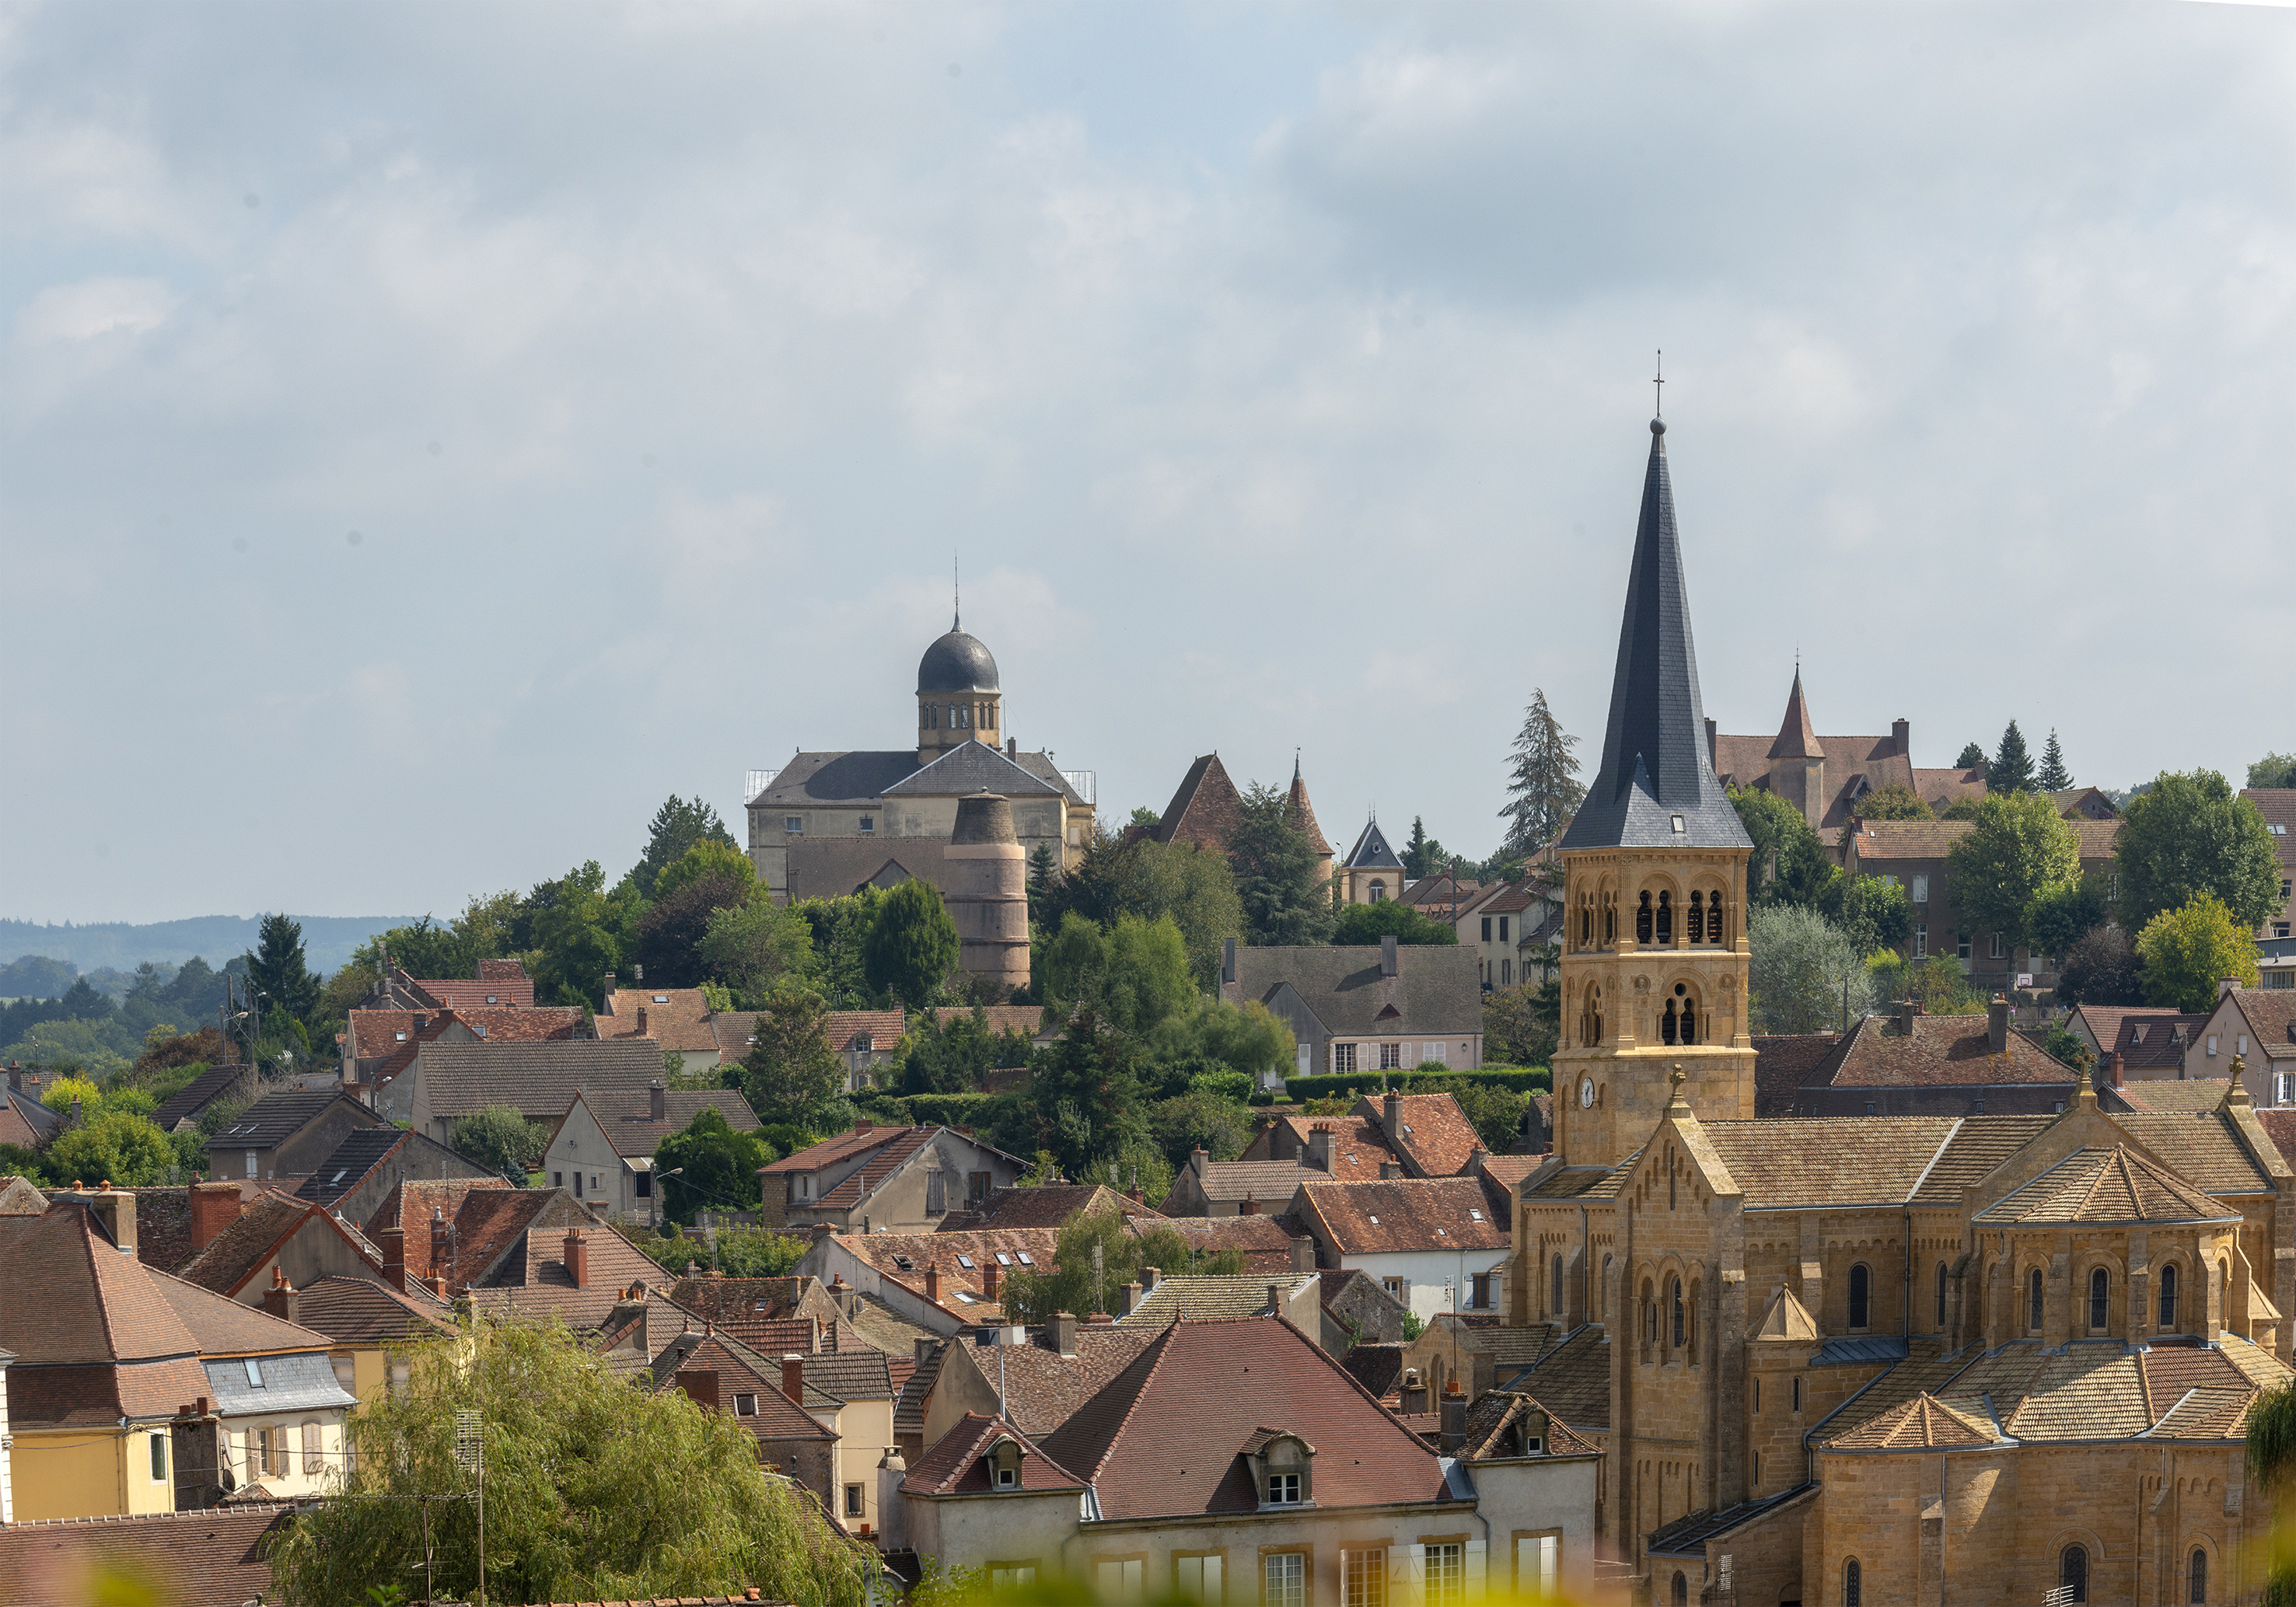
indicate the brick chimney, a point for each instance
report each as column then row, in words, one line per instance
column 578, row 1259
column 1248, row 1207
column 991, row 1276
column 1064, row 1326
column 657, row 1101
column 1387, row 959
column 2120, row 1069
column 280, row 1299
column 215, row 1206
column 793, row 1378
column 1997, row 1025
column 1906, row 1011
column 1130, row 1299
column 641, row 1021
column 441, row 1237
column 932, row 1284
column 700, row 1386
column 394, row 1256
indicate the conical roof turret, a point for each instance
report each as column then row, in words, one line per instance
column 1796, row 737
column 1657, row 784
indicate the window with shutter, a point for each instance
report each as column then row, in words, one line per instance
column 1362, row 1577
column 314, row 1459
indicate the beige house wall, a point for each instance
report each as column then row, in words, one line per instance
column 1040, row 822
column 581, row 1148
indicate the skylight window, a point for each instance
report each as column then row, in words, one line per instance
column 1477, row 1215
column 1003, row 1259
column 1374, row 1221
column 1025, row 1261
column 967, row 1298
column 965, row 1262
column 254, row 1373
column 1441, row 1234
column 905, row 1264
column 401, row 1037
column 490, row 998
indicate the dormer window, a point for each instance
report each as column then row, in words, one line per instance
column 1283, row 1489
column 1283, row 1467
column 745, row 1406
column 1003, row 1460
column 492, row 999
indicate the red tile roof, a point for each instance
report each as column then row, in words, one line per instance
column 1432, row 1131
column 856, row 1184
column 363, row 1311
column 1403, row 1214
column 676, row 1017
column 1205, row 808
column 1165, row 1437
column 1266, row 1243
column 947, row 1252
column 212, row 1558
column 1941, row 1051
column 954, row 1465
column 2145, row 1039
column 1357, row 1147
column 370, row 1033
column 882, row 1028
column 508, row 992
column 831, row 1151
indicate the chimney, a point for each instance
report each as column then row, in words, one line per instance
column 439, row 1284
column 15, row 1076
column 1130, row 1296
column 115, row 1210
column 1227, row 960
column 1064, row 1333
column 1476, row 1158
column 933, row 1283
column 641, row 1021
column 1453, row 1432
column 1198, row 1159
column 1319, row 1149
column 1412, row 1394
column 1389, row 1171
column 1248, row 1207
column 610, row 991
column 925, row 1347
column 1386, row 955
column 1906, row 1011
column 2223, row 988
column 1149, row 1276
column 1901, row 735
column 1303, row 1254
column 1391, row 1116
column 700, row 1386
column 578, row 1259
column 1997, row 1025
column 1012, row 747
column 215, row 1206
column 657, row 1100
column 991, row 1278
column 1275, row 1299
column 2119, row 1070
column 793, row 1378
column 280, row 1299
column 394, row 1254
column 1713, row 761
column 639, row 973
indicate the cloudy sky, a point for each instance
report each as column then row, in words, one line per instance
column 430, row 435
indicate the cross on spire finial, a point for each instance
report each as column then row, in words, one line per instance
column 956, row 595
column 1660, row 384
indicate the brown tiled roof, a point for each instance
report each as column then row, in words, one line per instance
column 1378, row 1368
column 1302, row 816
column 2203, row 1149
column 210, row 1558
column 953, row 1465
column 1972, row 1150
column 948, row 1253
column 726, row 1300
column 2280, row 1126
column 197, row 1095
column 221, row 1326
column 1507, row 1344
column 1205, row 808
column 1264, row 1241
column 625, row 1115
column 536, row 1079
column 1043, row 1389
column 1941, row 1051
column 509, row 992
column 1573, row 1380
column 1784, row 1064
column 18, row 1198
column 2154, row 1095
column 163, row 1225
column 1579, row 1183
column 1437, row 889
column 1786, row 1318
column 2145, row 1039
column 916, row 1389
column 1358, row 1148
column 1509, row 1171
column 1046, row 1205
column 741, row 1371
column 883, row 1028
column 18, row 1113
column 276, row 1118
column 1921, row 1423
column 242, row 1248
column 414, row 1203
column 676, row 1017
column 531, row 1279
column 1490, row 1417
column 1435, row 992
column 1271, row 1182
column 2271, row 1014
column 2208, row 1414
column 1403, row 1214
column 851, row 1374
column 1434, row 1132
column 2115, row 1186
column 857, row 1184
column 1831, row 1160
column 1198, row 1299
column 73, row 1298
column 831, row 866
column 371, row 1033
column 1165, row 1438
column 829, row 1151
column 363, row 1311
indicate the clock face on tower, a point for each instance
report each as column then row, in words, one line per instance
column 1586, row 1093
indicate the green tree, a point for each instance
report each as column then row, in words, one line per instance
column 277, row 969
column 676, row 826
column 1192, row 886
column 2067, row 1046
column 580, row 932
column 790, row 1074
column 716, row 1167
column 2054, row 776
column 1044, row 870
column 1283, row 900
column 2271, row 1457
column 1246, row 1037
column 2021, row 849
column 675, row 926
column 753, row 947
column 1789, row 864
column 1086, row 1100
column 840, row 930
column 2185, row 953
column 1134, row 975
column 1071, row 1284
column 595, row 1489
column 957, row 1058
column 2190, row 835
column 1961, row 808
column 709, row 858
column 1806, row 975
column 2010, row 767
column 2272, row 770
column 2100, row 968
column 1361, row 924
column 118, row 1146
column 501, row 1140
column 1522, row 1026
column 1892, row 803
column 1873, row 914
column 1497, row 1115
column 1972, row 757
column 2064, row 914
column 1543, row 788
column 913, row 944
column 1145, row 818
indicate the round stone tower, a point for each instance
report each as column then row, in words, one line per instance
column 986, row 892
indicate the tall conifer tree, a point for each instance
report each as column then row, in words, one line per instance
column 2010, row 769
column 2054, row 777
column 1545, row 790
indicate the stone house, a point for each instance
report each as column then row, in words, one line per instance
column 1430, row 1242
column 885, row 1179
column 2252, row 1025
column 603, row 1147
column 765, row 1395
column 677, row 1018
column 940, row 1282
column 1371, row 873
column 444, row 1081
column 2277, row 805
column 1364, row 1009
column 288, row 1135
column 1913, row 1065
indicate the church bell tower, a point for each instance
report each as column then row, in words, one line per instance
column 1654, row 957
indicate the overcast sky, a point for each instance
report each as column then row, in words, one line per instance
column 429, row 436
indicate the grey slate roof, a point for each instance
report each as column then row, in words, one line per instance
column 969, row 767
column 197, row 1095
column 959, row 661
column 834, row 867
column 1372, row 852
column 277, row 1117
column 537, row 1079
column 1436, row 990
column 865, row 775
column 347, row 1164
column 304, row 1383
column 1655, row 764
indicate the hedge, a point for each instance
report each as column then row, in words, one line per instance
column 1538, row 1080
column 930, row 1110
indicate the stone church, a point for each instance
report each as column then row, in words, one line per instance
column 1849, row 1362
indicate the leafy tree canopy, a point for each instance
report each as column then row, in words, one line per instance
column 1117, row 876
column 676, row 826
column 501, row 1140
column 115, row 1145
column 2021, row 849
column 840, row 930
column 1807, row 976
column 1971, row 756
column 277, row 969
column 595, row 1490
column 1873, row 914
column 2184, row 953
column 1246, row 1037
column 716, row 1167
column 1423, row 855
column 2062, row 916
column 1284, row 898
column 1134, row 975
column 1521, row 1025
column 2100, row 968
column 1892, row 803
column 2010, row 767
column 1084, row 1101
column 1071, row 1284
column 913, row 945
column 790, row 1074
column 1359, row 923
column 1789, row 864
column 674, row 928
column 755, row 946
column 2272, row 770
column 1961, row 808
column 2190, row 835
column 956, row 1059
column 711, row 857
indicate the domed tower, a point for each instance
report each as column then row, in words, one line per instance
column 957, row 696
column 985, row 887
column 1654, row 956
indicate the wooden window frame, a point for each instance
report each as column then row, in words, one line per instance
column 1514, row 1560
column 1306, row 1553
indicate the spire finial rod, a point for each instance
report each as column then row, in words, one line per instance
column 956, row 595
column 1660, row 384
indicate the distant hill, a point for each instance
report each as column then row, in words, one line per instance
column 327, row 939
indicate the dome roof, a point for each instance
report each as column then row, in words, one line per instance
column 956, row 662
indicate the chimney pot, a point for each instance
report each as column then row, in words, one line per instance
column 280, row 1299
column 578, row 1259
column 1249, row 1208
column 1997, row 1025
column 793, row 1378
column 991, row 1276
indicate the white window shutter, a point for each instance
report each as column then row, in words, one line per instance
column 1476, row 1564
column 1406, row 1576
column 1212, row 1580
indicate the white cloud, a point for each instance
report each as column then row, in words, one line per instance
column 93, row 308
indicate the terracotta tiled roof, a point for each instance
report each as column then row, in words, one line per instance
column 1785, row 1064
column 1509, row 1345
column 2208, row 1414
column 242, row 1248
column 1505, row 1174
column 1578, row 1182
column 676, row 1017
column 225, row 1327
column 1941, row 1051
column 829, row 1152
column 210, row 1558
column 1196, row 1298
column 1573, row 1380
column 531, row 1279
column 950, row 1252
column 2280, row 1126
column 2155, row 1095
column 1921, row 1423
column 1046, row 1205
column 1205, row 808
column 163, row 1225
column 773, row 1416
column 857, row 1184
column 2271, row 1014
column 2105, row 1187
column 1302, row 815
column 365, row 1311
column 507, row 992
column 1842, row 1161
column 851, row 1374
column 625, row 1115
column 1266, row 1243
column 1498, row 1410
column 1043, row 1389
column 954, row 1465
column 1434, row 1132
column 1403, row 1214
column 73, row 1298
column 882, row 1028
column 1165, row 1438
column 2145, row 1039
column 2203, row 1149
column 1268, row 1182
column 373, row 1033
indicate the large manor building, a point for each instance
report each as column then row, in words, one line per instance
column 827, row 824
column 1844, row 1363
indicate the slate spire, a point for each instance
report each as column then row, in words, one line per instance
column 1796, row 737
column 1655, row 766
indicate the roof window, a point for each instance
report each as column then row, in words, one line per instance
column 401, row 1037
column 965, row 1262
column 254, row 1373
column 1442, row 1232
column 1477, row 1215
column 492, row 999
column 1025, row 1261
column 967, row 1298
column 1003, row 1259
column 905, row 1264
column 661, row 998
column 1679, row 828
column 1374, row 1221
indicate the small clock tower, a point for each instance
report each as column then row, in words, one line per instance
column 1654, row 957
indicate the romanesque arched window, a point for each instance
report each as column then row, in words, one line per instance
column 1610, row 919
column 1585, row 920
column 1861, row 1296
column 1681, row 1589
column 2100, row 1297
column 1666, row 918
column 1690, row 1346
column 1714, row 933
column 2072, row 1571
column 1643, row 920
column 1602, row 1293
column 2169, row 1298
column 1649, row 1315
column 1853, row 1584
column 2033, row 1301
column 1680, row 1317
column 2197, row 1577
column 1697, row 917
